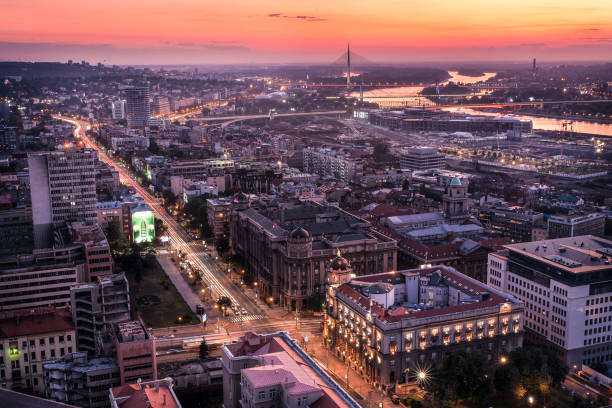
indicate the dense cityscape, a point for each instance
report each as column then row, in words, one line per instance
column 340, row 234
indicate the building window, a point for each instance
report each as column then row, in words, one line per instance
column 261, row 395
column 41, row 342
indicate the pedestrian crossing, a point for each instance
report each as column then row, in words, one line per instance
column 246, row 318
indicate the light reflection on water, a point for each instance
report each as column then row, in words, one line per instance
column 538, row 122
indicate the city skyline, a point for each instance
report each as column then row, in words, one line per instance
column 192, row 32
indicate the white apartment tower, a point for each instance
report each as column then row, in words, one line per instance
column 63, row 189
column 118, row 109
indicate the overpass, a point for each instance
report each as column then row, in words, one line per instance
column 239, row 118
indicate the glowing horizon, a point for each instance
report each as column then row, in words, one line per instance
column 241, row 31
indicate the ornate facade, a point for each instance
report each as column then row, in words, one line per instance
column 289, row 247
column 394, row 325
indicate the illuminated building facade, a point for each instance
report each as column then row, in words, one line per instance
column 393, row 326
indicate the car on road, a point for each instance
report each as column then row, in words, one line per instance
column 173, row 351
column 243, row 310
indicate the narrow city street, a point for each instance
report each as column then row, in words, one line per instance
column 371, row 396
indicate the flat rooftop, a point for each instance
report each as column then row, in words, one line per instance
column 573, row 254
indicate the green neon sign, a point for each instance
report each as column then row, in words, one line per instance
column 143, row 226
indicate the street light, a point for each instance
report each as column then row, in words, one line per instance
column 530, row 400
column 503, row 360
column 421, row 375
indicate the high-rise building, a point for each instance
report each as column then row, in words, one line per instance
column 63, row 189
column 572, row 226
column 565, row 286
column 422, row 158
column 161, row 105
column 138, row 108
column 118, row 109
column 28, row 338
column 329, row 163
column 96, row 304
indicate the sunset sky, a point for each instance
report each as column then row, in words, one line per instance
column 245, row 31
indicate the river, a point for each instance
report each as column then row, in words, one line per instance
column 547, row 123
column 410, row 93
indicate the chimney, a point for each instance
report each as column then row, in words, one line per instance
column 164, row 402
column 156, row 386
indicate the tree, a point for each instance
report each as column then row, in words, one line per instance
column 224, row 301
column 222, row 245
column 203, row 350
column 114, row 233
column 381, row 148
column 462, row 376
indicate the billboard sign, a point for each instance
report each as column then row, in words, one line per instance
column 143, row 225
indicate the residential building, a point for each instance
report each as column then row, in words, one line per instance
column 110, row 212
column 390, row 325
column 403, row 224
column 29, row 338
column 288, row 246
column 218, row 212
column 134, row 349
column 77, row 380
column 468, row 256
column 161, row 105
column 41, row 278
column 576, row 225
column 273, row 371
column 422, row 158
column 145, row 394
column 440, row 177
column 16, row 229
column 63, row 189
column 96, row 304
column 118, row 109
column 332, row 164
column 137, row 107
column 516, row 222
column 565, row 286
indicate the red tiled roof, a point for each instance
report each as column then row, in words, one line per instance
column 34, row 321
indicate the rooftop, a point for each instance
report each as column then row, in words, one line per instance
column 29, row 322
column 282, row 360
column 474, row 295
column 151, row 394
column 131, row 331
column 14, row 399
column 585, row 253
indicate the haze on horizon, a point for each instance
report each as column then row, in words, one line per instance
column 246, row 31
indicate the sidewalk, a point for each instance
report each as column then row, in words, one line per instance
column 372, row 397
column 190, row 297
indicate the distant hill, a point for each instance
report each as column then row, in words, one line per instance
column 31, row 70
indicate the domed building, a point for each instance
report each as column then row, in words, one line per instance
column 339, row 270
